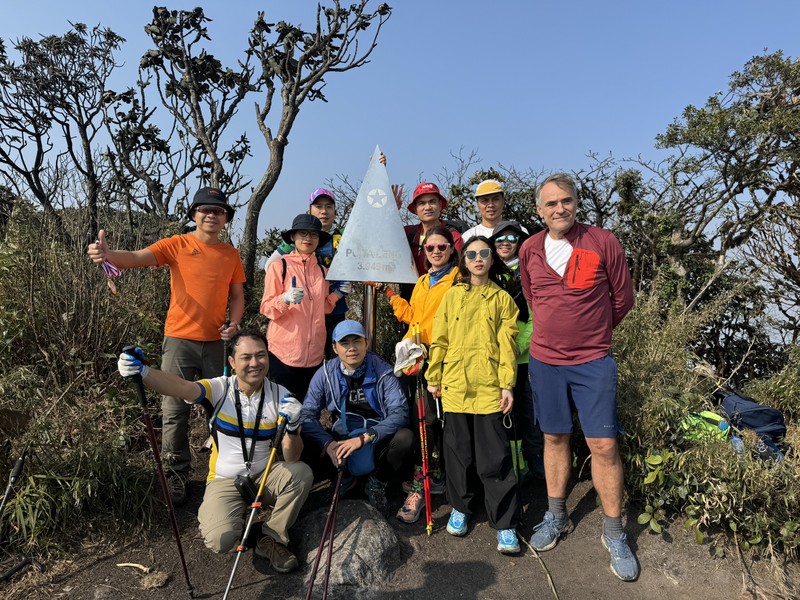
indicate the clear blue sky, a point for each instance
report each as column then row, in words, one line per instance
column 524, row 83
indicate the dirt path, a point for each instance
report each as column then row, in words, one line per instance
column 440, row 566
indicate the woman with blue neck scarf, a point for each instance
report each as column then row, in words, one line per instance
column 442, row 260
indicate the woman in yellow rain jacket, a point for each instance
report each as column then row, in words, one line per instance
column 473, row 368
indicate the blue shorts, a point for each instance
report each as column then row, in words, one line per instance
column 590, row 388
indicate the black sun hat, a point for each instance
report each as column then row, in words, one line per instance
column 306, row 222
column 509, row 226
column 209, row 196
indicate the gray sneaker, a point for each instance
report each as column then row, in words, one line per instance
column 623, row 562
column 547, row 533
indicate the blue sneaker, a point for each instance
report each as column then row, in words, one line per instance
column 457, row 523
column 623, row 562
column 507, row 541
column 547, row 533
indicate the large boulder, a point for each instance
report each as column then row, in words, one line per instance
column 365, row 548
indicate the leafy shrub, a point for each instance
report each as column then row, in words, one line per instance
column 60, row 330
column 705, row 481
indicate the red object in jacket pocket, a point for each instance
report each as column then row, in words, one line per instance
column 582, row 269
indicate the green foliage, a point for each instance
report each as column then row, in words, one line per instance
column 703, row 480
column 782, row 390
column 60, row 331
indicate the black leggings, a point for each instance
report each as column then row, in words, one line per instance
column 294, row 379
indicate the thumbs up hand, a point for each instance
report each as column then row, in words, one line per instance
column 97, row 251
column 295, row 294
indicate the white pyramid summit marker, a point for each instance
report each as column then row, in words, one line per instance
column 374, row 246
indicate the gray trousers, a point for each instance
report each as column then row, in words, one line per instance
column 190, row 360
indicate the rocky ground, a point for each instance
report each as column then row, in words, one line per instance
column 436, row 566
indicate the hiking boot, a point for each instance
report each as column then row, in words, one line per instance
column 176, row 485
column 623, row 562
column 277, row 554
column 507, row 542
column 547, row 533
column 376, row 494
column 412, row 507
column 438, row 486
column 457, row 523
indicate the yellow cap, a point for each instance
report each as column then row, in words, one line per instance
column 488, row 186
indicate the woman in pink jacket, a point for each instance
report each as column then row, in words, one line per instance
column 296, row 300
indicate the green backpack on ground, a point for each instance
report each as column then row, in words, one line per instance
column 704, row 425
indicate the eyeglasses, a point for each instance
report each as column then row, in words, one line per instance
column 510, row 238
column 484, row 253
column 211, row 210
column 485, row 201
column 439, row 247
column 307, row 233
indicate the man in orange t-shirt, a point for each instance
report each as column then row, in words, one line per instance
column 206, row 279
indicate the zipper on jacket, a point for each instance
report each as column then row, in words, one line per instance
column 575, row 268
column 305, row 274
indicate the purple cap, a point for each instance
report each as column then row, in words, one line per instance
column 320, row 192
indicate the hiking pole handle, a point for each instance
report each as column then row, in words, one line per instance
column 12, row 479
column 226, row 369
column 18, row 466
column 137, row 379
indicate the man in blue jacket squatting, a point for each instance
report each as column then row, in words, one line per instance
column 361, row 385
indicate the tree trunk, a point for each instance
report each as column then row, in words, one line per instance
column 247, row 248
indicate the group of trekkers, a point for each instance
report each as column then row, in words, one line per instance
column 515, row 332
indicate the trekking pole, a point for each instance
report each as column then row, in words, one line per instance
column 151, row 435
column 281, row 425
column 24, row 562
column 12, row 479
column 331, row 535
column 423, row 440
column 328, row 532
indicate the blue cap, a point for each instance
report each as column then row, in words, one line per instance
column 348, row 327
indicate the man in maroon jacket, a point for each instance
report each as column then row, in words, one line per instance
column 576, row 280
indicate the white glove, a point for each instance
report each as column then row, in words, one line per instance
column 346, row 288
column 130, row 365
column 290, row 409
column 293, row 296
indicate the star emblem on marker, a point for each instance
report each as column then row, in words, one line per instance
column 376, row 198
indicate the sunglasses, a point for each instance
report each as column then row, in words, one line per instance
column 484, row 253
column 439, row 247
column 510, row 238
column 211, row 210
